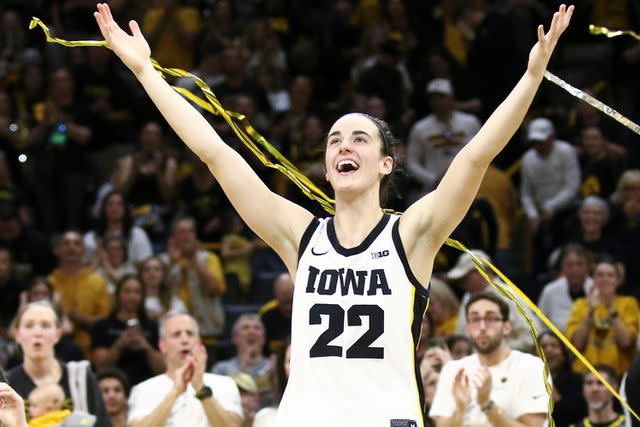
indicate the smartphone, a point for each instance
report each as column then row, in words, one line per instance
column 58, row 137
column 133, row 323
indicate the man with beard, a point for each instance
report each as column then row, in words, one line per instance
column 497, row 386
column 600, row 400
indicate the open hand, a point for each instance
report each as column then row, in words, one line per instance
column 11, row 407
column 461, row 390
column 133, row 50
column 542, row 50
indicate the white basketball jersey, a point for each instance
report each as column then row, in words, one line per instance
column 356, row 323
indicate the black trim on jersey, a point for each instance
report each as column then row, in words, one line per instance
column 306, row 236
column 331, row 232
column 420, row 304
column 395, row 234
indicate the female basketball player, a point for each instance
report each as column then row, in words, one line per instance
column 361, row 277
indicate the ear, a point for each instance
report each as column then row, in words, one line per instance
column 58, row 334
column 387, row 165
column 162, row 346
column 507, row 327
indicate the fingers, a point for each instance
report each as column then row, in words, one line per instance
column 135, row 29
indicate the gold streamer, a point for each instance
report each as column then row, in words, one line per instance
column 247, row 132
column 596, row 31
column 593, row 102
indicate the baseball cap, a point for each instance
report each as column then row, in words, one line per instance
column 465, row 264
column 441, row 86
column 540, row 129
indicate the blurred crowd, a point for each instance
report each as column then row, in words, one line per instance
column 107, row 216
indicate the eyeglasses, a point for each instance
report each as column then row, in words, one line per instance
column 489, row 319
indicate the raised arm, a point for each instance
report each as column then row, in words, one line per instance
column 429, row 221
column 277, row 221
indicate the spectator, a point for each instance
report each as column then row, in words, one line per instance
column 112, row 261
column 459, row 346
column 599, row 169
column 593, row 235
column 549, row 183
column 114, row 386
column 248, row 337
column 115, row 220
column 84, row 296
column 159, row 297
column 436, row 139
column 604, row 326
column 31, row 250
column 568, row 403
column 184, row 394
column 465, row 275
column 599, row 399
column 557, row 297
column 249, row 397
column 495, row 386
column 46, row 408
column 172, row 30
column 201, row 197
column 127, row 339
column 10, row 287
column 196, row 275
column 443, row 308
column 37, row 331
column 146, row 179
column 276, row 314
column 266, row 417
column 41, row 290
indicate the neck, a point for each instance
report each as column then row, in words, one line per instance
column 575, row 287
column 602, row 415
column 355, row 219
column 591, row 235
column 249, row 356
column 39, row 369
column 119, row 419
column 444, row 117
column 125, row 315
column 70, row 267
column 496, row 356
column 115, row 225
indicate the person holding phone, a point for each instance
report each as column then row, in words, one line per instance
column 128, row 339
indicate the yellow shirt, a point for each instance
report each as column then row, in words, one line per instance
column 87, row 292
column 498, row 189
column 601, row 344
column 215, row 268
column 448, row 328
column 52, row 419
column 167, row 49
column 239, row 264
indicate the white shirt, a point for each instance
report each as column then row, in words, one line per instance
column 138, row 247
column 433, row 145
column 556, row 303
column 517, row 388
column 187, row 410
column 265, row 417
column 549, row 183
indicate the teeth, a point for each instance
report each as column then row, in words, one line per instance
column 343, row 163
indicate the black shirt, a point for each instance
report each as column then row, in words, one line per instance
column 134, row 363
column 23, row 385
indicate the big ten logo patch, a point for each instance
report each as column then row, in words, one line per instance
column 403, row 423
column 376, row 255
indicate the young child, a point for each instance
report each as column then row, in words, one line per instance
column 46, row 406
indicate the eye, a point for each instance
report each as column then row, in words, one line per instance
column 333, row 141
column 360, row 140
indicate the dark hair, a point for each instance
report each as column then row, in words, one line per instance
column 180, row 218
column 566, row 363
column 605, row 369
column 480, row 296
column 388, row 185
column 127, row 223
column 455, row 339
column 164, row 290
column 574, row 248
column 41, row 279
column 605, row 259
column 140, row 312
column 117, row 374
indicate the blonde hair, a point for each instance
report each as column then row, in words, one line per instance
column 630, row 177
column 23, row 309
column 449, row 301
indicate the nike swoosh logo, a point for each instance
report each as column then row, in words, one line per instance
column 313, row 251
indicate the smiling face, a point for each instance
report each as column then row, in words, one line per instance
column 354, row 158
